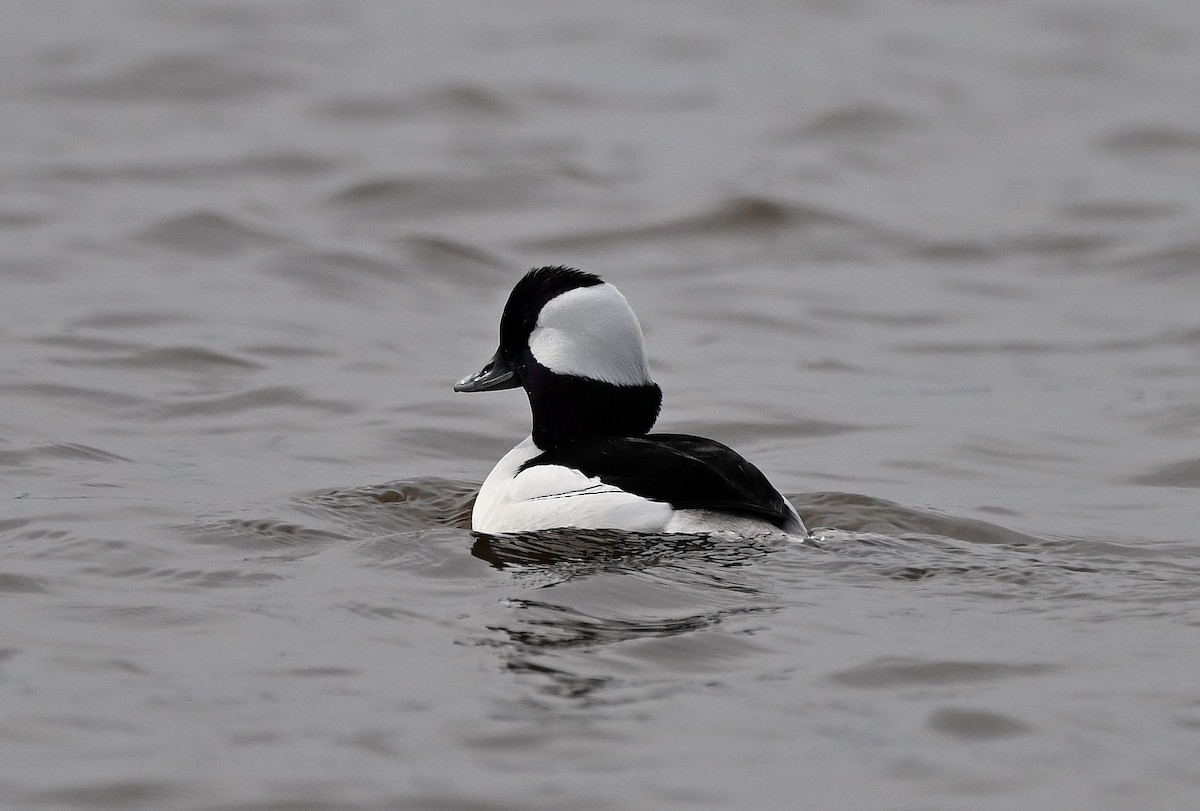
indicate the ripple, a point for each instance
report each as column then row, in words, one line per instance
column 976, row 724
column 16, row 457
column 335, row 274
column 738, row 215
column 1177, row 474
column 281, row 164
column 453, row 259
column 423, row 503
column 858, row 122
column 112, row 794
column 206, row 233
column 859, row 513
column 410, row 197
column 1174, row 261
column 170, row 358
column 11, row 583
column 267, row 397
column 1119, row 210
column 734, row 221
column 455, row 100
column 175, row 79
column 289, row 539
column 1152, row 140
column 56, row 391
column 888, row 672
column 954, row 251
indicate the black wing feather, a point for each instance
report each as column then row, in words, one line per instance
column 687, row 472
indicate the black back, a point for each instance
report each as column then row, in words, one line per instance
column 687, row 472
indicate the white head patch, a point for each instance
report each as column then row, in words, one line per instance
column 591, row 332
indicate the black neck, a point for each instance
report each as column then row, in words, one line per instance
column 566, row 408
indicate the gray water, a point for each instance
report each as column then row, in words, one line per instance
column 933, row 266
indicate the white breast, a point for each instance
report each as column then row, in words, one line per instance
column 550, row 496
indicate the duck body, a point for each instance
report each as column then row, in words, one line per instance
column 573, row 343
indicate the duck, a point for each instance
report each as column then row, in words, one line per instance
column 573, row 343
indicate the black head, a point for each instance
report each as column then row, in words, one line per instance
column 579, row 357
column 535, row 289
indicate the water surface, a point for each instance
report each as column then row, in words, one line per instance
column 932, row 266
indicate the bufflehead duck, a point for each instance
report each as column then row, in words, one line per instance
column 573, row 343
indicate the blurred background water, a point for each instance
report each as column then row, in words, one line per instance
column 933, row 265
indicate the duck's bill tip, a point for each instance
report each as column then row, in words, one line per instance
column 495, row 376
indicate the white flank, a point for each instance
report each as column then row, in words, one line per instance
column 550, row 496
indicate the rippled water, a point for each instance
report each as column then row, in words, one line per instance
column 933, row 266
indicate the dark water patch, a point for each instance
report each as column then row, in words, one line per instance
column 704, row 651
column 1176, row 421
column 1177, row 474
column 457, row 101
column 1180, row 261
column 458, row 801
column 956, row 252
column 1105, row 211
column 207, row 233
column 17, row 457
column 111, row 794
column 831, row 365
column 9, row 524
column 174, row 79
column 453, row 260
column 168, row 359
column 1152, row 140
column 1013, row 347
column 285, row 351
column 749, row 217
column 570, row 96
column 91, row 398
column 888, row 319
column 132, row 319
column 891, row 672
column 282, row 164
column 419, row 197
column 87, row 343
column 317, row 672
column 12, row 583
column 976, row 725
column 1057, row 244
column 335, row 274
column 244, row 18
column 858, row 123
column 29, row 270
column 264, row 398
column 13, row 218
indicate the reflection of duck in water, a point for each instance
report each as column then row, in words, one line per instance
column 575, row 346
